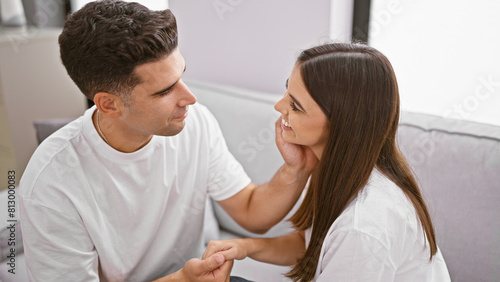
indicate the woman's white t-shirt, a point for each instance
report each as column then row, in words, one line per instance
column 378, row 237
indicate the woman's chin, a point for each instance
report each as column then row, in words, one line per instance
column 291, row 141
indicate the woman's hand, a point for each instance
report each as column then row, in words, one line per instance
column 296, row 156
column 230, row 249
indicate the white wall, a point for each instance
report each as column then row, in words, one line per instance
column 12, row 13
column 250, row 44
column 446, row 55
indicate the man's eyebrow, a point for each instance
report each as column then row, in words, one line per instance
column 170, row 87
column 296, row 102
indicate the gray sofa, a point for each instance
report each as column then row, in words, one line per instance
column 457, row 164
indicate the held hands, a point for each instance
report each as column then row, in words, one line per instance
column 230, row 249
column 295, row 156
column 209, row 268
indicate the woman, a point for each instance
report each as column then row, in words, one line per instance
column 363, row 217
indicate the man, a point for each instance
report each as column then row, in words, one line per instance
column 115, row 195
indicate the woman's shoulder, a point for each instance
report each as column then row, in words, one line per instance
column 381, row 198
column 381, row 210
column 378, row 231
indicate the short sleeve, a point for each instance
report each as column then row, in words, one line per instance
column 56, row 247
column 226, row 176
column 355, row 256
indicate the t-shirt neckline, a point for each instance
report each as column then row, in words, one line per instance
column 106, row 150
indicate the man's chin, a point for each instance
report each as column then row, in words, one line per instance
column 173, row 129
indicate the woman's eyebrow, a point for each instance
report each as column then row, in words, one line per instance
column 293, row 98
column 296, row 102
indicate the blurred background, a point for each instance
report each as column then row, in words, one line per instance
column 445, row 54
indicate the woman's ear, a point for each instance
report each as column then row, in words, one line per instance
column 108, row 104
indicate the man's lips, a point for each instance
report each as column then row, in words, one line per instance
column 183, row 116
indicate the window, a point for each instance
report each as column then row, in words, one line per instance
column 445, row 54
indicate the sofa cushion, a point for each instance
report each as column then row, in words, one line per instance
column 9, row 238
column 19, row 274
column 45, row 127
column 457, row 164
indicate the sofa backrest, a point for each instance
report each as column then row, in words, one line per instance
column 457, row 164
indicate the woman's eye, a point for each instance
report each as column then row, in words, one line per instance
column 294, row 108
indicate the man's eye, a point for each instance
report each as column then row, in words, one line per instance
column 165, row 92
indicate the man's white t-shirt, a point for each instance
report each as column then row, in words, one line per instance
column 89, row 212
column 378, row 237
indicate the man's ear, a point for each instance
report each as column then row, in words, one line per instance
column 109, row 104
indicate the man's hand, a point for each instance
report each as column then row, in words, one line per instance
column 211, row 269
column 295, row 156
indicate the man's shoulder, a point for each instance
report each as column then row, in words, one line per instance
column 52, row 157
column 58, row 142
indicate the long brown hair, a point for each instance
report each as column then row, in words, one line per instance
column 356, row 88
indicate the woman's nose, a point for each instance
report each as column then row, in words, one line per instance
column 279, row 106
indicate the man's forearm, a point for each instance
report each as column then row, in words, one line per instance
column 270, row 202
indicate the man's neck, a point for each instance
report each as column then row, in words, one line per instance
column 116, row 138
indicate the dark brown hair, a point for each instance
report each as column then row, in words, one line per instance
column 102, row 43
column 356, row 88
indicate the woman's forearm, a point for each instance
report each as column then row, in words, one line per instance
column 284, row 250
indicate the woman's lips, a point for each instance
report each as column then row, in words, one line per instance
column 285, row 125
